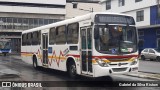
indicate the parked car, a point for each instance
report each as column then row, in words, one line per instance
column 150, row 53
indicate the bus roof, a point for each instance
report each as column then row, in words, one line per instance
column 68, row 21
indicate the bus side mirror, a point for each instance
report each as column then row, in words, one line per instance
column 96, row 33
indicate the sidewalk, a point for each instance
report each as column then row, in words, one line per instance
column 145, row 75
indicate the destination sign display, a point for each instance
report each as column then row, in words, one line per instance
column 114, row 19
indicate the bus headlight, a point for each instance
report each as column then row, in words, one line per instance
column 101, row 62
column 134, row 62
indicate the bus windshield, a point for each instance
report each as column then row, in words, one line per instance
column 5, row 45
column 115, row 39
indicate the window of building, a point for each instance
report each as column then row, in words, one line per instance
column 41, row 21
column 138, row 0
column 61, row 35
column 52, row 35
column 46, row 21
column 36, row 22
column 23, row 23
column 158, row 32
column 51, row 21
column 72, row 33
column 30, row 23
column 75, row 5
column 108, row 4
column 140, row 15
column 141, row 33
column 121, row 3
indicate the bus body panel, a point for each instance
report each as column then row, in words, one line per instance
column 59, row 54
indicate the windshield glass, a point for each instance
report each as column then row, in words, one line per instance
column 115, row 39
column 5, row 45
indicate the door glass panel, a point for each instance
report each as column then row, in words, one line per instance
column 83, row 37
column 44, row 40
column 89, row 38
column 84, row 61
column 90, row 61
column 86, row 52
column 45, row 48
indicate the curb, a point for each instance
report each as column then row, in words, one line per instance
column 145, row 75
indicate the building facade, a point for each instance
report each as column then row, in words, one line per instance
column 145, row 13
column 19, row 15
column 80, row 7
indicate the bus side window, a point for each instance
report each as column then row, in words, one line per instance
column 61, row 35
column 29, row 38
column 72, row 33
column 39, row 36
column 35, row 38
column 24, row 38
column 52, row 35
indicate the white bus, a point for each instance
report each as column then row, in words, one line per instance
column 94, row 45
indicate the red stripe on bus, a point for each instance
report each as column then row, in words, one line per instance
column 29, row 52
column 112, row 57
column 108, row 57
column 77, row 56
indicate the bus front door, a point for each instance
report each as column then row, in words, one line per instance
column 86, row 50
column 45, row 48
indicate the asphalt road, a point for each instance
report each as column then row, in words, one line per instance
column 149, row 66
column 12, row 69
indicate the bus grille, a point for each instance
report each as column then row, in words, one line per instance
column 119, row 69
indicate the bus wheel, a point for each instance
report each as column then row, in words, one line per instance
column 35, row 62
column 72, row 70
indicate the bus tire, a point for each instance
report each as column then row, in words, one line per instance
column 35, row 62
column 72, row 70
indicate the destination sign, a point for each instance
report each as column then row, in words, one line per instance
column 114, row 19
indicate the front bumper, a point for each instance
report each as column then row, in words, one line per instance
column 105, row 71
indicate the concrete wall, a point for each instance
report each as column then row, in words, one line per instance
column 59, row 2
column 36, row 10
column 73, row 12
column 131, row 7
